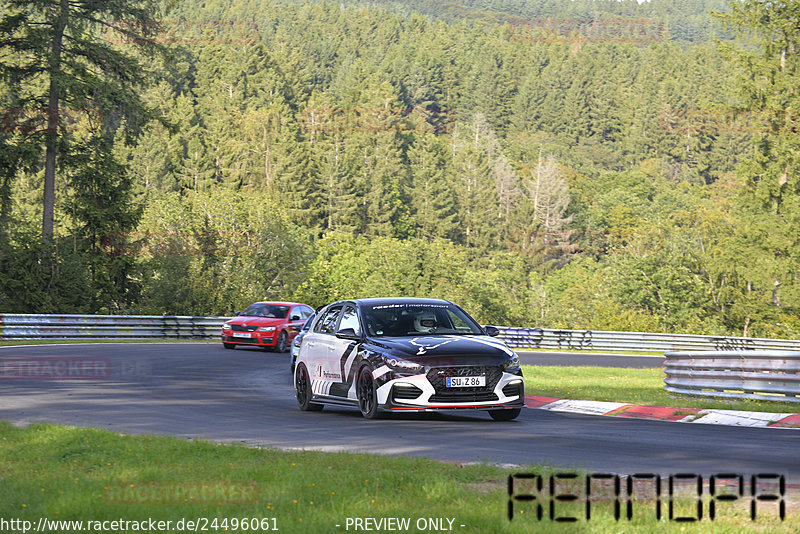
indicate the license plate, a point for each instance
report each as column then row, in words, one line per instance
column 242, row 334
column 466, row 381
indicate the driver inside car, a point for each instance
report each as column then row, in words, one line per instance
column 425, row 322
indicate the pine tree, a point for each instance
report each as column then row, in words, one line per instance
column 56, row 47
column 474, row 181
column 434, row 197
column 770, row 175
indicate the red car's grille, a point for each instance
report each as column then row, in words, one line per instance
column 240, row 328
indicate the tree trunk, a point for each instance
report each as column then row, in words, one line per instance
column 53, row 116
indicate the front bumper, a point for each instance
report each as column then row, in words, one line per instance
column 421, row 393
column 259, row 339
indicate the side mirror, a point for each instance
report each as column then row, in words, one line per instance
column 348, row 333
column 238, row 313
column 492, row 331
column 295, row 318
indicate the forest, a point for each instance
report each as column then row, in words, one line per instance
column 586, row 164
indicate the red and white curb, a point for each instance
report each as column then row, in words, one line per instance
column 666, row 413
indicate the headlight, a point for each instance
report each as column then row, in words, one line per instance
column 513, row 363
column 403, row 365
column 297, row 341
column 226, row 326
column 267, row 329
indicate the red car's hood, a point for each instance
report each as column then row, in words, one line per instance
column 257, row 321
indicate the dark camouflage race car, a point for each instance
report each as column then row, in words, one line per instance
column 406, row 354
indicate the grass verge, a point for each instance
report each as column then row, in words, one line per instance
column 65, row 473
column 634, row 386
column 592, row 351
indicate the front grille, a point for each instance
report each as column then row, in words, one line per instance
column 240, row 328
column 405, row 391
column 438, row 379
column 463, row 396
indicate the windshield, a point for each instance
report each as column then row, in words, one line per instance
column 417, row 319
column 266, row 310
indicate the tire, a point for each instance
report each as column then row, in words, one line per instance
column 506, row 414
column 302, row 388
column 367, row 394
column 282, row 345
column 229, row 346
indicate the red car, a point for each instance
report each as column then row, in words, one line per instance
column 269, row 325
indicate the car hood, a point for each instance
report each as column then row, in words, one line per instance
column 445, row 350
column 256, row 321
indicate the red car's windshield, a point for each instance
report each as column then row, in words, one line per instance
column 266, row 310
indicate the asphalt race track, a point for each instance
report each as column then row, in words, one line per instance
column 245, row 395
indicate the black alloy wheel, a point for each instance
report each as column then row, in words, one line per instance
column 302, row 387
column 367, row 394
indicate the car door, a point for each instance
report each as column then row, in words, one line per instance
column 297, row 317
column 343, row 352
column 316, row 348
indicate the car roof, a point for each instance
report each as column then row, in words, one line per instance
column 400, row 300
column 279, row 303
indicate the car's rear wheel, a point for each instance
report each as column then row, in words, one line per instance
column 506, row 414
column 302, row 387
column 283, row 342
column 367, row 393
column 229, row 345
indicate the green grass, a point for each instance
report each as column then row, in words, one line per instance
column 634, row 386
column 65, row 473
column 593, row 351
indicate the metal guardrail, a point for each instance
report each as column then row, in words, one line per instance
column 757, row 374
column 547, row 338
column 31, row 326
column 34, row 326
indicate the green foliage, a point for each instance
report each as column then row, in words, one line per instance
column 42, row 278
column 214, row 253
column 314, row 150
column 69, row 91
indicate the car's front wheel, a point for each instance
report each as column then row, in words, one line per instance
column 367, row 393
column 283, row 342
column 506, row 414
column 302, row 387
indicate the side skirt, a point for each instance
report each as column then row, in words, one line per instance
column 335, row 401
